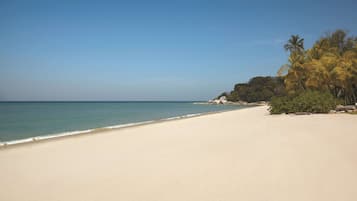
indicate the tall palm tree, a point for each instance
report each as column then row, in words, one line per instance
column 296, row 77
column 295, row 44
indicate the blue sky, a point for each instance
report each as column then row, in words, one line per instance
column 151, row 50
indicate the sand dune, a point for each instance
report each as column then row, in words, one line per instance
column 244, row 155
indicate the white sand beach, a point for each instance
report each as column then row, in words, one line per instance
column 244, row 155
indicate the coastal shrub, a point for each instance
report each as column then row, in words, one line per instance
column 308, row 101
column 280, row 105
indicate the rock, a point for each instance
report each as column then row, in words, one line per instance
column 222, row 100
column 345, row 107
column 242, row 102
column 350, row 107
column 332, row 111
column 339, row 108
column 216, row 101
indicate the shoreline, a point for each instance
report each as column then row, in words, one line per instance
column 243, row 154
column 77, row 133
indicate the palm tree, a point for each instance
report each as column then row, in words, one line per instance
column 330, row 65
column 296, row 47
column 295, row 44
column 296, row 77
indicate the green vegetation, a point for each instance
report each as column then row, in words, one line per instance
column 257, row 89
column 329, row 68
column 307, row 101
column 312, row 81
column 330, row 65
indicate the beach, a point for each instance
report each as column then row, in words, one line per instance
column 244, row 154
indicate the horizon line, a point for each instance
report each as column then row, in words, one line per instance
column 4, row 101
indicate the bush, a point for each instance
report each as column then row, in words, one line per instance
column 308, row 101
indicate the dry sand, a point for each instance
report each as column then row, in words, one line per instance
column 243, row 155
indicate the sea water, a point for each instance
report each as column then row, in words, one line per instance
column 26, row 120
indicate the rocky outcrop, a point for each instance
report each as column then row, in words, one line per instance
column 345, row 108
column 221, row 100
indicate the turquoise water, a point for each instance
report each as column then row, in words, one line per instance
column 20, row 120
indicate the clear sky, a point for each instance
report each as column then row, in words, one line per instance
column 151, row 50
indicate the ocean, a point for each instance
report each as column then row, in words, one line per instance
column 22, row 121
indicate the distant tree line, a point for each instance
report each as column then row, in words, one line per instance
column 257, row 89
